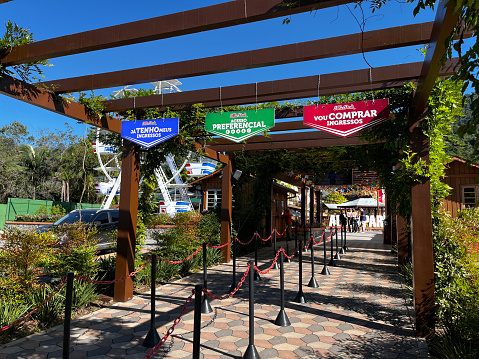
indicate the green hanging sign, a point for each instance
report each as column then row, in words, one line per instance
column 240, row 125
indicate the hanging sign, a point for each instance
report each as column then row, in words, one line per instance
column 239, row 125
column 149, row 133
column 344, row 119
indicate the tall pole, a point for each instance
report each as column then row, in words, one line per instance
column 251, row 352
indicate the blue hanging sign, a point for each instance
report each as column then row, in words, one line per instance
column 149, row 133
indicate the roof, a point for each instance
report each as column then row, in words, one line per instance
column 287, row 189
column 361, row 202
column 462, row 160
column 205, row 177
column 331, row 205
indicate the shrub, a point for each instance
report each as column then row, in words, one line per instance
column 49, row 313
column 457, row 283
column 22, row 255
column 159, row 219
column 76, row 252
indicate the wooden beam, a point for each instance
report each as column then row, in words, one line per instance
column 400, row 36
column 182, row 23
column 294, row 144
column 47, row 100
column 277, row 90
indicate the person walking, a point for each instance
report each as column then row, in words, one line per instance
column 289, row 222
column 362, row 219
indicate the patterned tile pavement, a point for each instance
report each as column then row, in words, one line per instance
column 359, row 311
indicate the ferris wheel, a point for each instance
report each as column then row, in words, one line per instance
column 172, row 190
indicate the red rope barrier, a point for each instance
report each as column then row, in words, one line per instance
column 320, row 241
column 77, row 276
column 245, row 244
column 172, row 328
column 218, row 247
column 271, row 267
column 184, row 260
column 282, row 234
column 226, row 296
column 264, row 240
column 36, row 309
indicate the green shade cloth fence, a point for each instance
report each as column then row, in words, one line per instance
column 16, row 206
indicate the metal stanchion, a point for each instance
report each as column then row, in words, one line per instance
column 197, row 322
column 295, row 240
column 205, row 304
column 275, row 266
column 305, row 245
column 152, row 338
column 312, row 282
column 345, row 247
column 325, row 270
column 300, row 296
column 287, row 245
column 68, row 316
column 282, row 319
column 233, row 284
column 251, row 352
column 332, row 263
column 336, row 256
column 256, row 274
column 341, row 247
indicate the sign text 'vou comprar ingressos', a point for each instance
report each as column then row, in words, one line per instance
column 347, row 118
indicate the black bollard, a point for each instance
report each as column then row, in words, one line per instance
column 256, row 274
column 152, row 338
column 205, row 305
column 345, row 246
column 336, row 256
column 275, row 266
column 325, row 270
column 305, row 245
column 197, row 322
column 331, row 261
column 287, row 248
column 312, row 282
column 68, row 316
column 341, row 246
column 300, row 296
column 295, row 240
column 251, row 352
column 233, row 285
column 282, row 319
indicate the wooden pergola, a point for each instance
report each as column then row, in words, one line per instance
column 233, row 13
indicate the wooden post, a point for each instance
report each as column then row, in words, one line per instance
column 125, row 259
column 402, row 240
column 226, row 208
column 421, row 238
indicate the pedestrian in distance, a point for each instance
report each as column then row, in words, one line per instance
column 289, row 222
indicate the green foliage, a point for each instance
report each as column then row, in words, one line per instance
column 456, row 254
column 76, row 252
column 11, row 310
column 22, row 254
column 94, row 104
column 17, row 36
column 334, row 198
column 84, row 294
column 37, row 217
column 49, row 313
column 159, row 219
column 145, row 204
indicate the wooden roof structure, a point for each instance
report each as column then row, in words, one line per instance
column 233, row 13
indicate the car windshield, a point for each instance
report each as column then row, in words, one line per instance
column 75, row 217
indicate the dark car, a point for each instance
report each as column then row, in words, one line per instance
column 105, row 220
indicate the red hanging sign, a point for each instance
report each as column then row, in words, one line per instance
column 344, row 119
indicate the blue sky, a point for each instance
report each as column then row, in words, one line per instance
column 52, row 19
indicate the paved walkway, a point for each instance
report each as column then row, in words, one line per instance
column 359, row 311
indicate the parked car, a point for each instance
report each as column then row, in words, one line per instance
column 105, row 221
